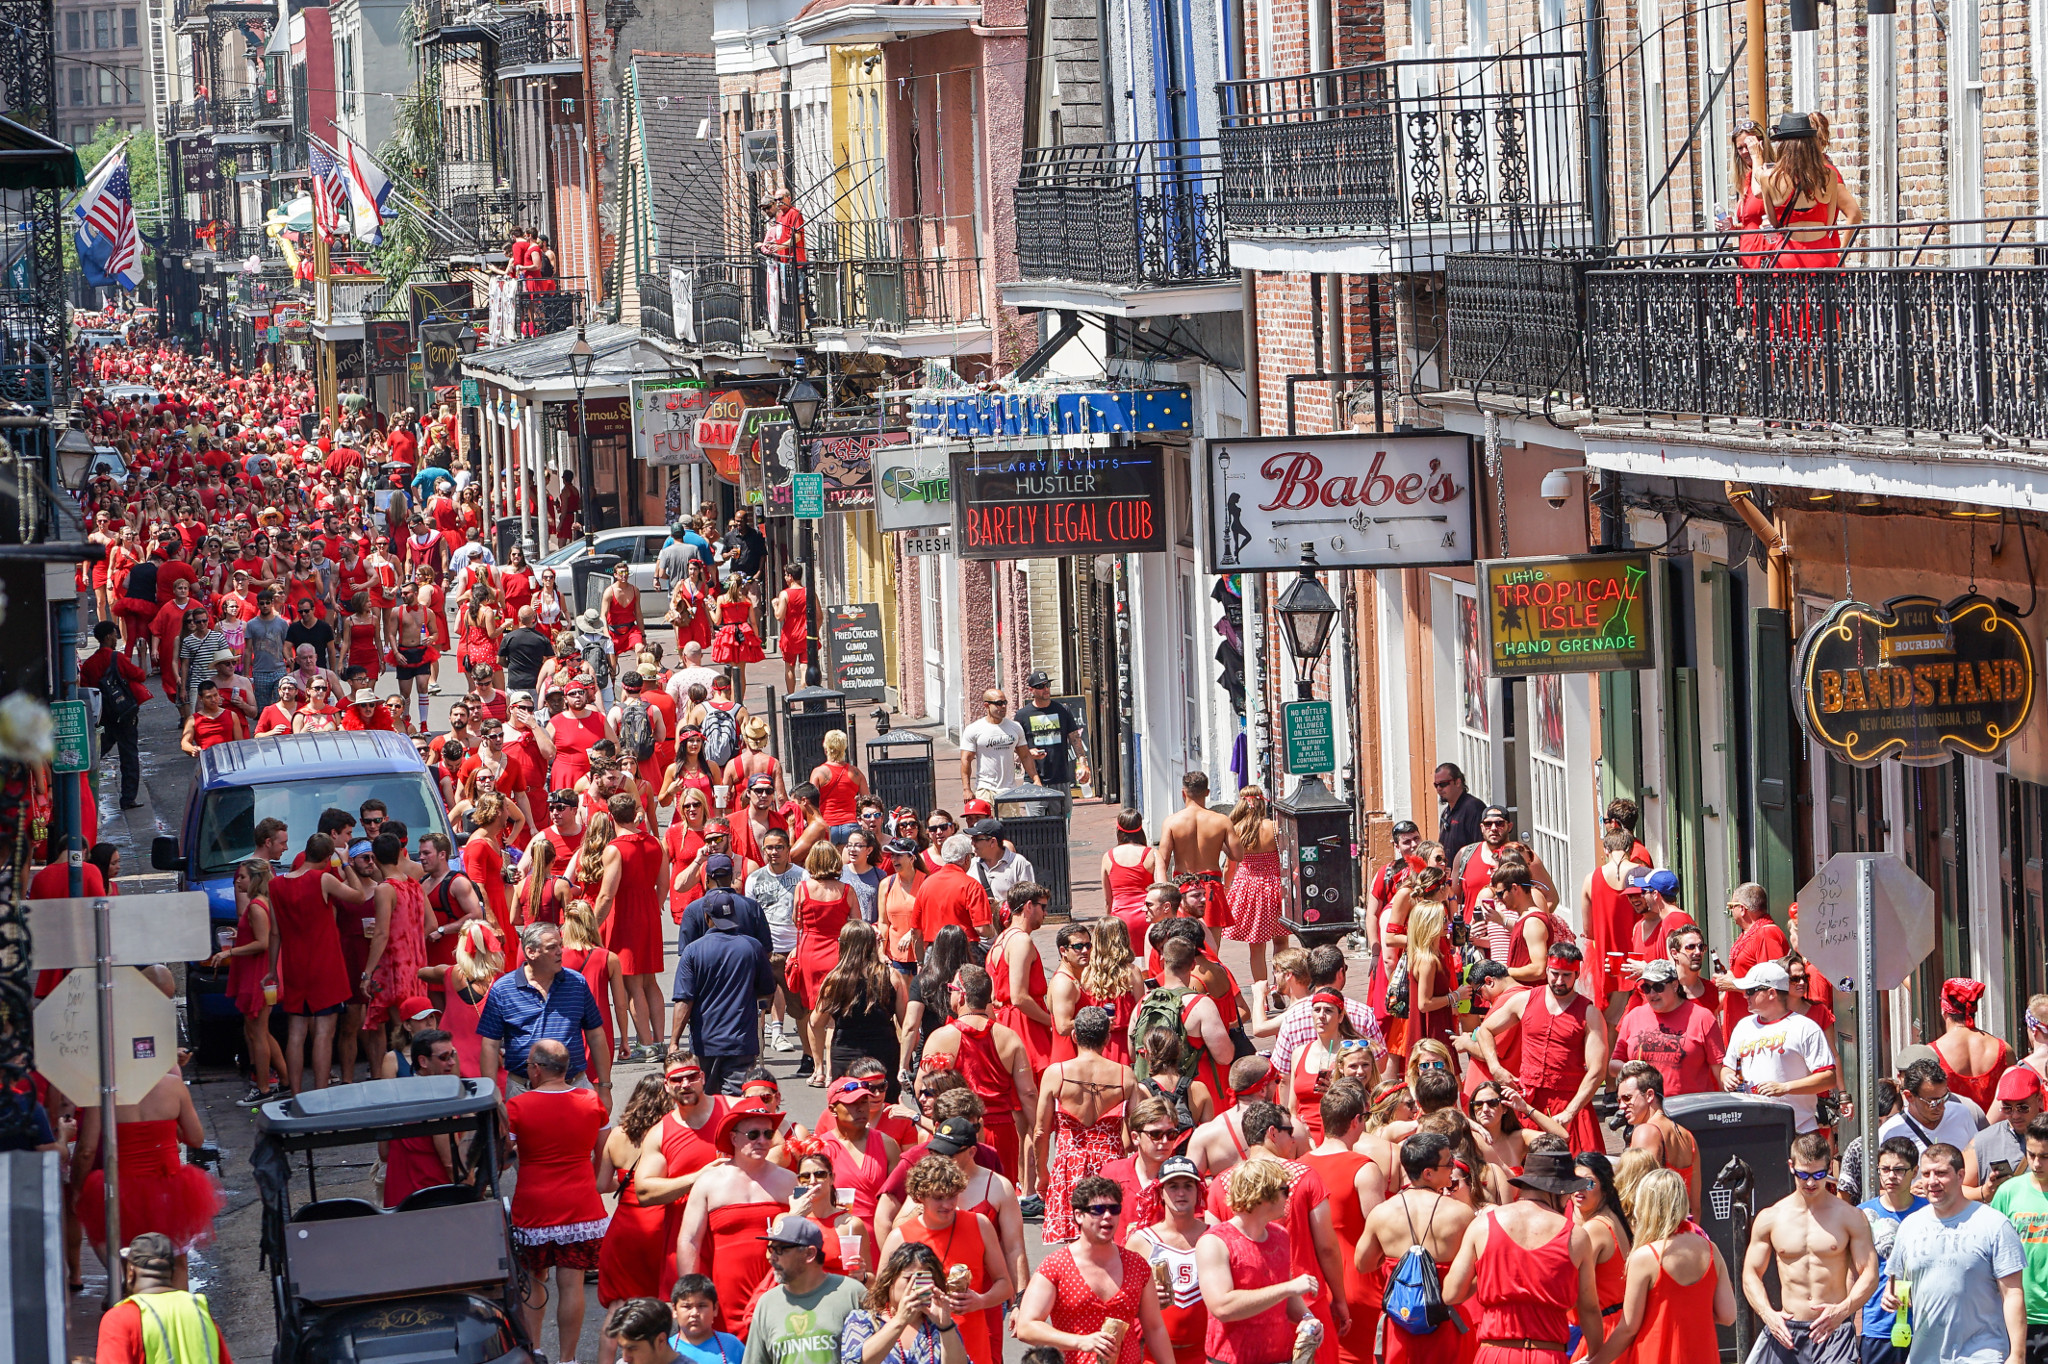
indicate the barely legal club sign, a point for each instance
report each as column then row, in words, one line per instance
column 1915, row 680
column 1041, row 504
column 1578, row 613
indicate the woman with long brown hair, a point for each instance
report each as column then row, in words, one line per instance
column 1805, row 195
column 1252, row 888
column 861, row 1004
column 629, row 1262
column 1753, row 157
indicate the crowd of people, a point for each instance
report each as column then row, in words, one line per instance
column 1398, row 1155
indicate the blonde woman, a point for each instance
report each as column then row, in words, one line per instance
column 252, row 976
column 1433, row 985
column 1251, row 887
column 586, row 867
column 1753, row 157
column 1675, row 1279
column 840, row 786
column 584, row 952
column 754, row 759
column 736, row 643
column 479, row 960
column 1631, row 1167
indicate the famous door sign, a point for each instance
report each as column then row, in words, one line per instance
column 1367, row 501
column 1915, row 680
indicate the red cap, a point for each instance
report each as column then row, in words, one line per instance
column 2020, row 1082
column 415, row 1007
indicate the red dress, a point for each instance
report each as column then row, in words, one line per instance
column 793, row 637
column 1339, row 1173
column 633, row 928
column 310, row 974
column 737, row 1259
column 1255, row 899
column 1611, row 923
column 594, row 965
column 1308, row 1089
column 1077, row 1311
column 555, row 1201
column 622, row 620
column 1037, row 1036
column 1610, row 1283
column 736, row 641
column 159, row 1191
column 1118, row 1047
column 573, row 738
column 1268, row 1336
column 698, row 627
column 245, row 973
column 683, row 1150
column 864, row 1171
column 1672, row 1316
column 459, row 1017
column 818, row 922
column 405, row 952
column 961, row 1244
column 629, row 1262
column 362, row 647
column 1526, row 1295
column 1981, row 1090
column 1077, row 1152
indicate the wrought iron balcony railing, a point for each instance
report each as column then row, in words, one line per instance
column 893, row 275
column 534, row 38
column 1135, row 214
column 545, row 310
column 657, row 306
column 1484, row 150
column 726, row 308
column 1513, row 323
column 490, row 217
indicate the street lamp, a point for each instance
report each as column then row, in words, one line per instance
column 74, row 458
column 580, row 360
column 1308, row 614
column 804, row 399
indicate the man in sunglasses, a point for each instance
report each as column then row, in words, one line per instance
column 1827, row 1266
column 727, row 1245
column 1458, row 810
column 1776, row 1052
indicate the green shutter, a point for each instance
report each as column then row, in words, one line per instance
column 1770, row 727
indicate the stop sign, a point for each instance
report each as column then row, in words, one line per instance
column 1902, row 907
column 68, row 1036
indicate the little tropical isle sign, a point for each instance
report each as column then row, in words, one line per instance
column 1915, row 680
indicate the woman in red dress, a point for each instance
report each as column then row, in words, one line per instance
column 558, row 1218
column 821, row 909
column 840, row 785
column 691, row 604
column 252, row 976
column 515, row 583
column 688, row 772
column 1974, row 1060
column 1676, row 1281
column 482, row 626
column 1097, row 971
column 736, row 643
column 584, row 952
column 1081, row 1107
column 574, row 731
column 360, row 629
column 629, row 1261
column 790, row 608
column 159, row 1192
column 1078, row 1289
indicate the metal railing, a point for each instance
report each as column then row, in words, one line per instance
column 535, row 37
column 893, row 274
column 657, row 306
column 728, row 302
column 1513, row 323
column 547, row 310
column 1487, row 150
column 492, row 216
column 1124, row 213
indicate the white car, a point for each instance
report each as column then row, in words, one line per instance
column 637, row 545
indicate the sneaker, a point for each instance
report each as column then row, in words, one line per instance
column 1031, row 1209
column 782, row 1042
column 256, row 1096
column 805, row 1067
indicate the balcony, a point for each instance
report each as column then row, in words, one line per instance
column 1391, row 166
column 1133, row 229
column 544, row 312
column 902, row 287
column 536, row 43
column 657, row 306
column 722, row 306
column 455, row 21
column 490, row 216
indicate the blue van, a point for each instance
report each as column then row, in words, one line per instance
column 292, row 778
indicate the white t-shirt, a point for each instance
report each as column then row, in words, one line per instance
column 471, row 551
column 1957, row 1127
column 994, row 746
column 682, row 679
column 777, row 897
column 1790, row 1049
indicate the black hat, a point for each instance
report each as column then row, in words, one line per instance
column 1038, row 677
column 1792, row 127
column 1551, row 1172
column 954, row 1136
column 1496, row 812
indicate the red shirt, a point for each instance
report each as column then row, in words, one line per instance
column 120, row 1339
column 53, row 882
column 1684, row 1045
column 170, row 572
column 1761, row 941
column 949, row 896
column 93, row 671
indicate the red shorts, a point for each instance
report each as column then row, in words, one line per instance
column 626, row 638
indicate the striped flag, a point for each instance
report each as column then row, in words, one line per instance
column 368, row 188
column 330, row 193
column 107, row 207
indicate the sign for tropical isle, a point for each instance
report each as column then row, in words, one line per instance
column 1915, row 680
column 1576, row 613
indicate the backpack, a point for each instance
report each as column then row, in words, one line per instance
column 1414, row 1300
column 636, row 731
column 117, row 700
column 1161, row 1008
column 597, row 661
column 721, row 736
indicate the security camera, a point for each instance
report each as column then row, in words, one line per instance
column 1557, row 486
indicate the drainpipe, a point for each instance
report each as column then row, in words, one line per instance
column 1805, row 23
column 1758, row 35
column 1777, row 552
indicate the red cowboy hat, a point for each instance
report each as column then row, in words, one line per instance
column 739, row 1112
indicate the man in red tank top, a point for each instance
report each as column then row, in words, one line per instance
column 1609, row 918
column 992, row 1060
column 683, row 1139
column 1535, row 928
column 1474, row 864
column 1564, row 1047
column 1529, row 1267
column 629, row 901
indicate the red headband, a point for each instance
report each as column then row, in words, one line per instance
column 1257, row 1084
column 1327, row 996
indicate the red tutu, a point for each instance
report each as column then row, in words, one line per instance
column 736, row 644
column 159, row 1192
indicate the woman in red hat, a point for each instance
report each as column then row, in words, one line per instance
column 1973, row 1058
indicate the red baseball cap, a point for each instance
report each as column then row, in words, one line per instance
column 2020, row 1082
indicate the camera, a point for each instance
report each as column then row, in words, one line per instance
column 1557, row 488
column 1617, row 1121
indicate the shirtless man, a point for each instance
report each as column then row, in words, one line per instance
column 1423, row 1212
column 1197, row 840
column 992, row 1059
column 1827, row 1266
column 1218, row 1144
column 1639, row 1093
column 414, row 671
column 734, row 1255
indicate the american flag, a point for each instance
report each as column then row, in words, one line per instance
column 108, row 208
column 330, row 192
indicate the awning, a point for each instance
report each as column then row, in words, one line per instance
column 29, row 160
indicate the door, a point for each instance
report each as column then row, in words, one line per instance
column 931, row 637
column 1549, row 823
column 1934, row 833
column 2023, row 817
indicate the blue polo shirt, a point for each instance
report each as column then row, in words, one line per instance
column 516, row 1015
column 722, row 975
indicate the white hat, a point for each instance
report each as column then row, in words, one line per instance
column 363, row 697
column 1766, row 975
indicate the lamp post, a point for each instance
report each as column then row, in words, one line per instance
column 1308, row 614
column 580, row 359
column 804, row 399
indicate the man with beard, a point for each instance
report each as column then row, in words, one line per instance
column 728, row 1205
column 1564, row 1047
column 797, row 1320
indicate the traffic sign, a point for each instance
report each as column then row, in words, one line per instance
column 68, row 1036
column 72, row 723
column 145, row 928
column 807, row 497
column 1902, row 914
column 1311, row 737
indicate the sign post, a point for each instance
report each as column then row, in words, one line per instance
column 73, row 725
column 1866, row 1008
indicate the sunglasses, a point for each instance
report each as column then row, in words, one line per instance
column 1102, row 1209
column 938, row 828
column 1478, row 1104
column 755, row 1134
column 1656, row 987
column 1810, row 1176
column 1447, row 781
column 814, row 1177
column 1159, row 1133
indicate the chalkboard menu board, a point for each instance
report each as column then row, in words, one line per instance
column 853, row 646
column 1049, row 503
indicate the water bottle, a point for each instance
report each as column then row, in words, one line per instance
column 1902, row 1325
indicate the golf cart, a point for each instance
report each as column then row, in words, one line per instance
column 434, row 1277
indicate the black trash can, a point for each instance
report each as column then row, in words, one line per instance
column 1756, row 1131
column 590, row 575
column 808, row 715
column 1318, row 863
column 1034, row 820
column 901, row 772
column 505, row 536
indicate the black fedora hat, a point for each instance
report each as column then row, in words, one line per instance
column 1792, row 127
column 1552, row 1172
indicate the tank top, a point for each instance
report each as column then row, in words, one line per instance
column 1127, row 885
column 459, row 1016
column 984, row 1070
column 1186, row 1316
column 1672, row 1314
column 1267, row 1337
column 838, row 794
column 863, row 1171
column 896, row 911
column 1554, row 1047
column 960, row 1244
column 1526, row 1294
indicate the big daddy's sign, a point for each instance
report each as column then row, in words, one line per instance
column 1362, row 501
column 1915, row 680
